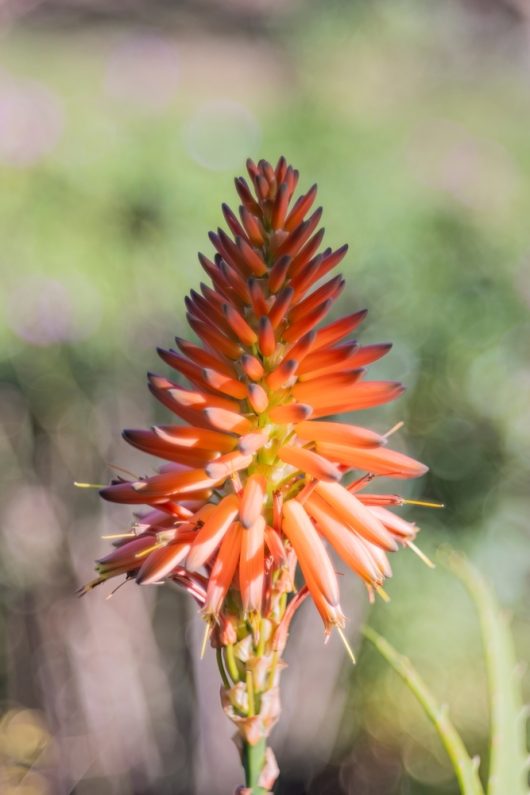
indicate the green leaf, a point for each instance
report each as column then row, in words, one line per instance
column 465, row 767
column 508, row 734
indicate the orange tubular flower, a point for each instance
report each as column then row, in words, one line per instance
column 256, row 479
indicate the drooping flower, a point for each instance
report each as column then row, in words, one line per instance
column 258, row 476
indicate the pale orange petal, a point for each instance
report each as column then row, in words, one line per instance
column 223, row 570
column 291, row 412
column 310, row 550
column 227, row 464
column 338, row 433
column 380, row 461
column 396, row 524
column 309, row 462
column 211, row 533
column 252, row 500
column 344, row 540
column 348, row 509
column 251, row 566
column 161, row 562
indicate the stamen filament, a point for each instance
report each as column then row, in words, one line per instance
column 119, row 535
column 346, row 644
column 147, row 551
column 422, row 556
column 88, row 485
column 423, row 503
column 382, row 593
column 207, row 631
column 393, row 429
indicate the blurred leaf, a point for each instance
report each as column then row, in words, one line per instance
column 465, row 767
column 508, row 741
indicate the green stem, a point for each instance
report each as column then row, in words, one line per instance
column 253, row 763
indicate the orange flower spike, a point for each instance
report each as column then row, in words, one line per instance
column 258, row 386
column 251, row 566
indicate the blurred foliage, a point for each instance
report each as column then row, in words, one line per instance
column 117, row 147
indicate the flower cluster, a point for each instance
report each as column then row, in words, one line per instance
column 254, row 481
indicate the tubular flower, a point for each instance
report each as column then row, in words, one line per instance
column 257, row 476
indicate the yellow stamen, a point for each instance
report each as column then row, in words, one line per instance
column 422, row 556
column 423, row 503
column 393, row 429
column 88, row 485
column 382, row 593
column 145, row 552
column 346, row 644
column 119, row 535
column 207, row 632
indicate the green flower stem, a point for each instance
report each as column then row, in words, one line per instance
column 464, row 767
column 253, row 763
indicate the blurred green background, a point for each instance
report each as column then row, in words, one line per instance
column 121, row 127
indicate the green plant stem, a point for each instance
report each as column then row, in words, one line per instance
column 465, row 768
column 253, row 763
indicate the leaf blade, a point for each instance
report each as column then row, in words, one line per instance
column 464, row 766
column 508, row 741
